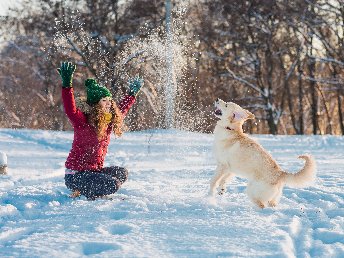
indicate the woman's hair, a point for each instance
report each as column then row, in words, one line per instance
column 97, row 120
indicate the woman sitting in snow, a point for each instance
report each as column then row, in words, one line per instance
column 93, row 120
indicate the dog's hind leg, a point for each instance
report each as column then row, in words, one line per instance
column 225, row 179
column 220, row 173
column 259, row 204
column 276, row 198
column 260, row 192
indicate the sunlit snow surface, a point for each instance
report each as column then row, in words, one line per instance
column 162, row 211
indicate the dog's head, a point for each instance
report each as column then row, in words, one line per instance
column 231, row 114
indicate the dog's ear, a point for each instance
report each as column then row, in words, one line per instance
column 239, row 115
column 242, row 114
column 249, row 115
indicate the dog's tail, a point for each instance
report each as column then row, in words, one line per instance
column 305, row 176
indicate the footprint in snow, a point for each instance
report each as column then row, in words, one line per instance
column 91, row 248
column 10, row 236
column 119, row 215
column 328, row 236
column 120, row 229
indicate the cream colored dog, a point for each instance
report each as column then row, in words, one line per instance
column 238, row 155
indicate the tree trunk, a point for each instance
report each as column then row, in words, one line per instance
column 314, row 97
column 340, row 114
column 328, row 128
column 300, row 98
column 291, row 110
column 271, row 116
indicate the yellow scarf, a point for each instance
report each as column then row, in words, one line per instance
column 107, row 117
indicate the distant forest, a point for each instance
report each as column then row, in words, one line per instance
column 282, row 60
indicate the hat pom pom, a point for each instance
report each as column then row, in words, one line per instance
column 90, row 82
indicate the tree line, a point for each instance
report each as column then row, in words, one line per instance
column 283, row 60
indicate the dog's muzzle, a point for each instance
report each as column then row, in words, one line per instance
column 218, row 112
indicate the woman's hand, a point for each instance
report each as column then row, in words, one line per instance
column 135, row 85
column 66, row 71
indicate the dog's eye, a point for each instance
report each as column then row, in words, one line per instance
column 226, row 105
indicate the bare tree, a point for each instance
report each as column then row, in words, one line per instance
column 282, row 59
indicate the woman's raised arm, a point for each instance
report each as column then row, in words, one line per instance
column 66, row 72
column 135, row 85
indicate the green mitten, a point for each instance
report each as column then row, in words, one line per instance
column 66, row 71
column 135, row 85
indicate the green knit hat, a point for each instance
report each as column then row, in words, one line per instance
column 95, row 92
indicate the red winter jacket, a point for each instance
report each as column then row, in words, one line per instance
column 87, row 151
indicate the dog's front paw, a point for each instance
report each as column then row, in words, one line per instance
column 272, row 203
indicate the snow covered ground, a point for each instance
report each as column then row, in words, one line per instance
column 162, row 210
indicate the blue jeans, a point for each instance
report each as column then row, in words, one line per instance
column 95, row 184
